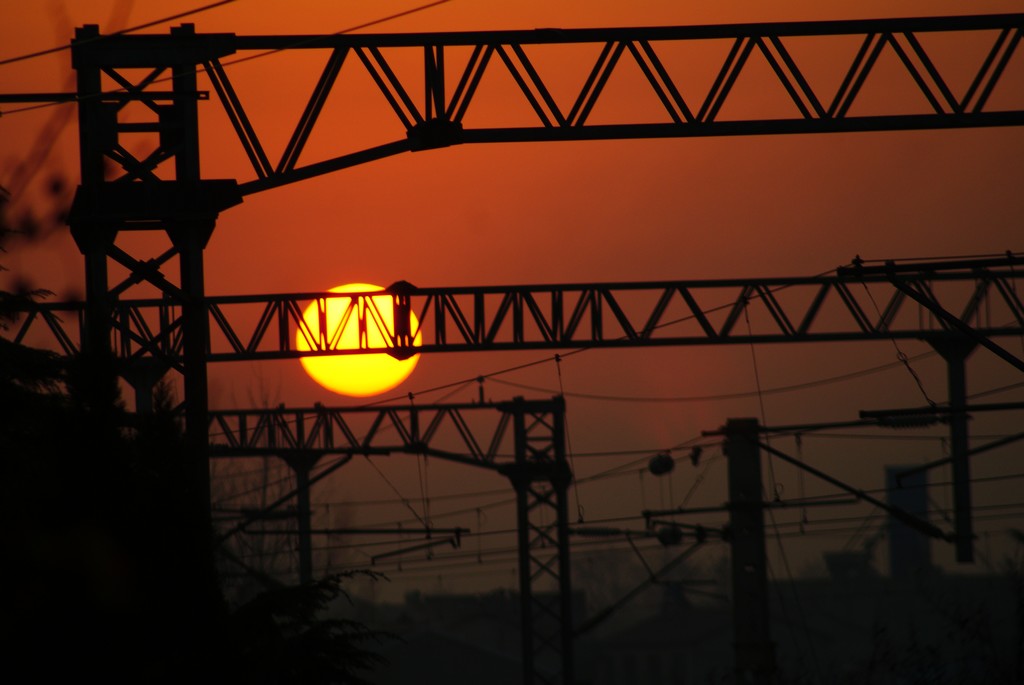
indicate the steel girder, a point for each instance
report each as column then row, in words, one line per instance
column 534, row 430
column 940, row 301
column 434, row 99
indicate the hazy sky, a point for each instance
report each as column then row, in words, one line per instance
column 569, row 212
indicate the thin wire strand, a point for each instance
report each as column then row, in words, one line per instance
column 227, row 63
column 564, row 355
column 403, row 498
column 771, row 514
column 900, row 354
column 986, row 255
column 698, row 480
column 139, row 27
column 724, row 396
column 760, row 400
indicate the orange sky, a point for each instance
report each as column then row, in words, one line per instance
column 564, row 212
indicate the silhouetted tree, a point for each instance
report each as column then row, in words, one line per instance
column 281, row 636
column 103, row 574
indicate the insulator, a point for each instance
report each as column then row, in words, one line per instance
column 660, row 464
column 695, row 454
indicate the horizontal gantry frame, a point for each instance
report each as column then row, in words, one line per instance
column 452, row 431
column 430, row 100
column 976, row 299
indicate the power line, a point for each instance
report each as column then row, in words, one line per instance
column 139, row 27
column 606, row 545
column 556, row 358
column 724, row 396
column 771, row 515
column 987, row 255
column 617, row 471
column 247, row 58
column 611, row 546
column 394, row 489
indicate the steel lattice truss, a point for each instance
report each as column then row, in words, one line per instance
column 434, row 91
column 448, row 431
column 541, row 477
column 521, row 439
column 434, row 99
column 931, row 301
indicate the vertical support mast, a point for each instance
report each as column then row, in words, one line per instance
column 121, row 192
column 92, row 237
column 755, row 653
column 190, row 235
column 955, row 353
column 302, row 463
column 541, row 477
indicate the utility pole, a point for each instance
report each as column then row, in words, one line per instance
column 754, row 650
column 185, row 208
column 541, row 477
column 302, row 463
column 955, row 352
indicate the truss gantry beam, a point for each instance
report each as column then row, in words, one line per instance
column 523, row 440
column 434, row 96
column 448, row 431
column 965, row 300
column 154, row 87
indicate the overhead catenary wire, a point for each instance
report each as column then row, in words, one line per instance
column 853, row 375
column 699, row 479
column 479, row 555
column 479, row 378
column 616, row 471
column 558, row 357
column 139, row 27
column 403, row 498
column 1012, row 510
column 628, row 469
column 430, row 568
column 985, row 255
column 775, row 489
column 651, row 450
column 470, row 559
column 696, row 398
column 900, row 354
column 473, row 558
column 568, row 442
column 266, row 53
column 459, row 384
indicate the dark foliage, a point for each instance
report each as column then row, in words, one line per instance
column 281, row 637
column 108, row 569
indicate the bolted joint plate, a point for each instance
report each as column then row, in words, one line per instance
column 147, row 206
column 434, row 133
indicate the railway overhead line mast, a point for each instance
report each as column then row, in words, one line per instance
column 166, row 190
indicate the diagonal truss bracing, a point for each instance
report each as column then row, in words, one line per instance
column 523, row 440
column 434, row 96
column 447, row 431
column 932, row 301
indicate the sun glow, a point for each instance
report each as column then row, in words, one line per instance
column 357, row 375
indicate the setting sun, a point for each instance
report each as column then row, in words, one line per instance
column 360, row 375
